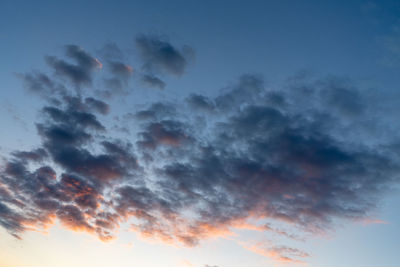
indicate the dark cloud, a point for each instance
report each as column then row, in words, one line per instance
column 342, row 96
column 200, row 102
column 299, row 155
column 97, row 105
column 41, row 83
column 114, row 86
column 246, row 91
column 157, row 111
column 165, row 132
column 120, row 69
column 36, row 155
column 118, row 72
column 73, row 218
column 159, row 55
column 84, row 59
column 69, row 128
column 81, row 118
column 11, row 221
column 112, row 165
column 118, row 81
column 79, row 73
column 63, row 135
column 153, row 81
column 32, row 198
column 79, row 190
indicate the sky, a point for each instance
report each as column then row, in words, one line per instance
column 199, row 133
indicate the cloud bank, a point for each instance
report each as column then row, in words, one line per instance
column 304, row 155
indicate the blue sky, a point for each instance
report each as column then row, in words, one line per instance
column 210, row 133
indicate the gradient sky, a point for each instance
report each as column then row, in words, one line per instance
column 199, row 133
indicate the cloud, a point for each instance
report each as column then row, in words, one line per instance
column 79, row 73
column 165, row 132
column 118, row 81
column 302, row 156
column 10, row 220
column 73, row 218
column 120, row 69
column 157, row 55
column 97, row 105
column 157, row 111
column 41, row 83
column 246, row 91
column 200, row 102
column 153, row 81
column 160, row 55
column 282, row 254
column 36, row 155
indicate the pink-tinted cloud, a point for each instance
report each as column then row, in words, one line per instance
column 197, row 169
column 281, row 254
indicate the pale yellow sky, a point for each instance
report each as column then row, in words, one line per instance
column 64, row 248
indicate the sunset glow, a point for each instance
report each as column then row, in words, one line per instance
column 199, row 133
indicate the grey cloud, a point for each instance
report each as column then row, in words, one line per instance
column 36, row 155
column 165, row 132
column 118, row 72
column 114, row 86
column 10, row 220
column 97, row 105
column 80, row 73
column 118, row 82
column 157, row 111
column 159, row 55
column 83, row 59
column 153, row 81
column 343, row 96
column 201, row 102
column 245, row 92
column 83, row 119
column 120, row 69
column 284, row 155
column 72, row 217
column 41, row 83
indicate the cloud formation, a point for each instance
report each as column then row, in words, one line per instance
column 79, row 73
column 281, row 254
column 153, row 81
column 160, row 55
column 299, row 156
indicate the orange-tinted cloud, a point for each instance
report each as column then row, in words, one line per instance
column 198, row 168
column 281, row 254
